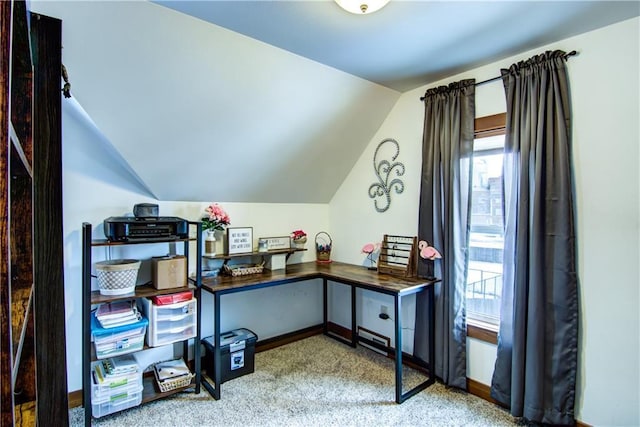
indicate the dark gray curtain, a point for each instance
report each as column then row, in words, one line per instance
column 447, row 151
column 535, row 370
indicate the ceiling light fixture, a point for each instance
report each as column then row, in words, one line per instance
column 361, row 7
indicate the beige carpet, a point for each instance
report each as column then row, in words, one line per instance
column 314, row 382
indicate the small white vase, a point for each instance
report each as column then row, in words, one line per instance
column 210, row 243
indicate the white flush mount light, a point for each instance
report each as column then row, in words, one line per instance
column 361, row 7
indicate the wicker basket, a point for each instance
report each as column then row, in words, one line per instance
column 242, row 269
column 178, row 381
column 173, row 383
column 118, row 276
column 323, row 247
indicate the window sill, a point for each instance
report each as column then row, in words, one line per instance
column 482, row 331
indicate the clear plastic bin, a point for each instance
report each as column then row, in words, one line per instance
column 114, row 385
column 111, row 342
column 117, row 402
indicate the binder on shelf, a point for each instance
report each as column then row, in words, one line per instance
column 113, row 314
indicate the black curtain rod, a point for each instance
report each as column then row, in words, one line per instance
column 566, row 56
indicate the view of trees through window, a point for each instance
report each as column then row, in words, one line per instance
column 486, row 239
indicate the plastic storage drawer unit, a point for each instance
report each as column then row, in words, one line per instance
column 117, row 402
column 170, row 322
column 111, row 342
column 237, row 354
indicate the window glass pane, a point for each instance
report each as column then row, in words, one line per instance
column 486, row 239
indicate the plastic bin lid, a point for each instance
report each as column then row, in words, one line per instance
column 98, row 330
column 227, row 338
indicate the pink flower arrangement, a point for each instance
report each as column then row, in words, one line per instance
column 299, row 235
column 216, row 218
column 370, row 248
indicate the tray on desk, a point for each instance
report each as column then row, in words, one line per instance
column 242, row 269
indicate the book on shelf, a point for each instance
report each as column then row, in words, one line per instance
column 114, row 370
column 120, row 365
column 118, row 313
column 109, row 310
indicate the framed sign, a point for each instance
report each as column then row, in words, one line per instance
column 274, row 243
column 240, row 240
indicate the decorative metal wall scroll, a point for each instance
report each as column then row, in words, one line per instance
column 385, row 170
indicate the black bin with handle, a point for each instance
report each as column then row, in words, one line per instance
column 237, row 354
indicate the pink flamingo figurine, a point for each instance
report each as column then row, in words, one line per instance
column 428, row 252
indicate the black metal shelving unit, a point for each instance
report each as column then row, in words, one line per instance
column 150, row 393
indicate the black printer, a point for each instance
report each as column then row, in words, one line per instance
column 126, row 228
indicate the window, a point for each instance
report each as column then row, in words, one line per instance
column 486, row 238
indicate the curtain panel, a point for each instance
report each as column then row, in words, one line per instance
column 535, row 370
column 447, row 151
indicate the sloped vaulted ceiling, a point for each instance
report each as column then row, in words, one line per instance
column 201, row 113
column 200, row 109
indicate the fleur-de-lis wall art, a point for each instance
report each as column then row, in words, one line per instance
column 387, row 172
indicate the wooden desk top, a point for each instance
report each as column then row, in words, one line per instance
column 335, row 271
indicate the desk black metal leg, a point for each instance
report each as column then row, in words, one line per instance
column 217, row 354
column 432, row 334
column 196, row 345
column 325, row 316
column 398, row 344
column 214, row 390
column 354, row 334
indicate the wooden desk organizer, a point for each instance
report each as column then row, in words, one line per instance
column 399, row 256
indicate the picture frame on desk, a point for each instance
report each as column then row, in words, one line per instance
column 266, row 244
column 239, row 240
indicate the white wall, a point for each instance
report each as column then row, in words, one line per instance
column 605, row 98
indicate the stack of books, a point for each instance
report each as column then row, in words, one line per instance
column 118, row 313
column 114, row 370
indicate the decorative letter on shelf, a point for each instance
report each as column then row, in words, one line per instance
column 384, row 169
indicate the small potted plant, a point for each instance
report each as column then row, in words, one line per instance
column 298, row 238
column 215, row 219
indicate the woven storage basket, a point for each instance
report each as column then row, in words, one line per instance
column 117, row 276
column 323, row 247
column 173, row 383
column 242, row 269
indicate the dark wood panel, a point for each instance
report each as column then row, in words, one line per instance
column 20, row 307
column 17, row 345
column 25, row 414
column 25, row 389
column 6, row 366
column 21, row 79
column 46, row 37
column 21, row 248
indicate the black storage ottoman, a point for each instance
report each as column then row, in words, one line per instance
column 237, row 354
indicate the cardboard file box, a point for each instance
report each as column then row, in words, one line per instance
column 169, row 272
column 237, row 354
